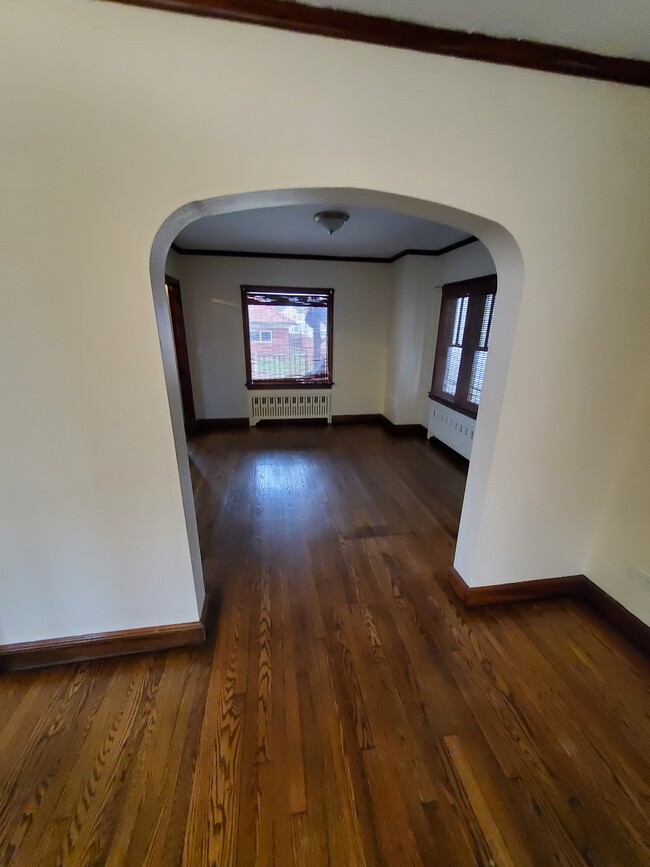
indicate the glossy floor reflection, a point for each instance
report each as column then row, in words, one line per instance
column 347, row 710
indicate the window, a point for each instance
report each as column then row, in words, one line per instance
column 463, row 339
column 261, row 336
column 287, row 337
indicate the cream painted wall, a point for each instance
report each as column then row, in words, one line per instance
column 465, row 263
column 103, row 138
column 215, row 335
column 414, row 326
column 622, row 537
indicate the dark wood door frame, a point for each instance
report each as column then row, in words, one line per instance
column 182, row 355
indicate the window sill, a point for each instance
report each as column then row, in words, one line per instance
column 286, row 385
column 451, row 405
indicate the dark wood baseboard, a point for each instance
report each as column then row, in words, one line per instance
column 204, row 425
column 404, row 429
column 292, row 422
column 101, row 645
column 624, row 621
column 519, row 591
column 359, row 418
column 575, row 586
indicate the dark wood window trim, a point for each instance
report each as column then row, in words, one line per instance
column 288, row 383
column 468, row 343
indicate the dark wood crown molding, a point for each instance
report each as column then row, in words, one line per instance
column 375, row 30
column 375, row 260
column 441, row 251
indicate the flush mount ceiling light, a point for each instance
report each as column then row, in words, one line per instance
column 331, row 220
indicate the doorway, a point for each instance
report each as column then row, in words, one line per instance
column 508, row 263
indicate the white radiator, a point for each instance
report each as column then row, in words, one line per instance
column 453, row 428
column 291, row 405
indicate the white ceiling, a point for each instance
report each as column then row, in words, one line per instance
column 291, row 229
column 620, row 28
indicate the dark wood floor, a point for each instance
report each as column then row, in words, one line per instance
column 347, row 710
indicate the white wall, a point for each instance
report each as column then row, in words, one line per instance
column 474, row 260
column 622, row 536
column 215, row 333
column 103, row 138
column 414, row 326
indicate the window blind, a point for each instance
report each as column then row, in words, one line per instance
column 287, row 337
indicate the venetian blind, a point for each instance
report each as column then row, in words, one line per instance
column 287, row 336
column 463, row 339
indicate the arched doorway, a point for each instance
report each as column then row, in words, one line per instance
column 509, row 265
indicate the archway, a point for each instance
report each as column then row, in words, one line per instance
column 509, row 266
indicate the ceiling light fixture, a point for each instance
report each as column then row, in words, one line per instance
column 331, row 220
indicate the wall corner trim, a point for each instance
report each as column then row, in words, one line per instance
column 574, row 586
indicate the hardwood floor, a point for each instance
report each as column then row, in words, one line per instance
column 346, row 711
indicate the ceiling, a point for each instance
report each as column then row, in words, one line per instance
column 619, row 28
column 291, row 229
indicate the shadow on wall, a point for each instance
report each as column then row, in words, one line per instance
column 509, row 266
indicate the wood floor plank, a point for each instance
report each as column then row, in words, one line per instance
column 32, row 788
column 90, row 787
column 296, row 772
column 347, row 710
column 507, row 728
column 495, row 850
column 157, row 769
column 211, row 830
column 583, row 752
column 346, row 798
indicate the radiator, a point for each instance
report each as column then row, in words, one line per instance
column 453, row 428
column 288, row 406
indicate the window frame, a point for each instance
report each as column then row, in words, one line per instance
column 473, row 288
column 287, row 384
